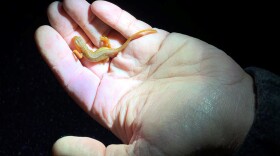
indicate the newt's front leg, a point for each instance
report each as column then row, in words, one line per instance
column 105, row 42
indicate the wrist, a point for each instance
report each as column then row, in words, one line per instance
column 264, row 134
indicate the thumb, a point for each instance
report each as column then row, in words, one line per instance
column 82, row 146
column 78, row 146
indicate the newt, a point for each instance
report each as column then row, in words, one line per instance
column 105, row 52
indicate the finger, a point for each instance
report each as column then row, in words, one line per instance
column 74, row 146
column 118, row 19
column 80, row 83
column 61, row 22
column 68, row 28
column 81, row 13
column 64, row 24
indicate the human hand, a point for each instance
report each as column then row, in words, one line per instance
column 165, row 94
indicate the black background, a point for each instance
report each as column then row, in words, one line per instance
column 35, row 111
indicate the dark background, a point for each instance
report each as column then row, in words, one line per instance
column 35, row 111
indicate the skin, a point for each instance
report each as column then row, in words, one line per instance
column 103, row 53
column 164, row 88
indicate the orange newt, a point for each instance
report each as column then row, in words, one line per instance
column 105, row 52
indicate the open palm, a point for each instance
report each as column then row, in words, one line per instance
column 163, row 88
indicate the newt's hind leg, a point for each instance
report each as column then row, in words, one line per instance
column 105, row 42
